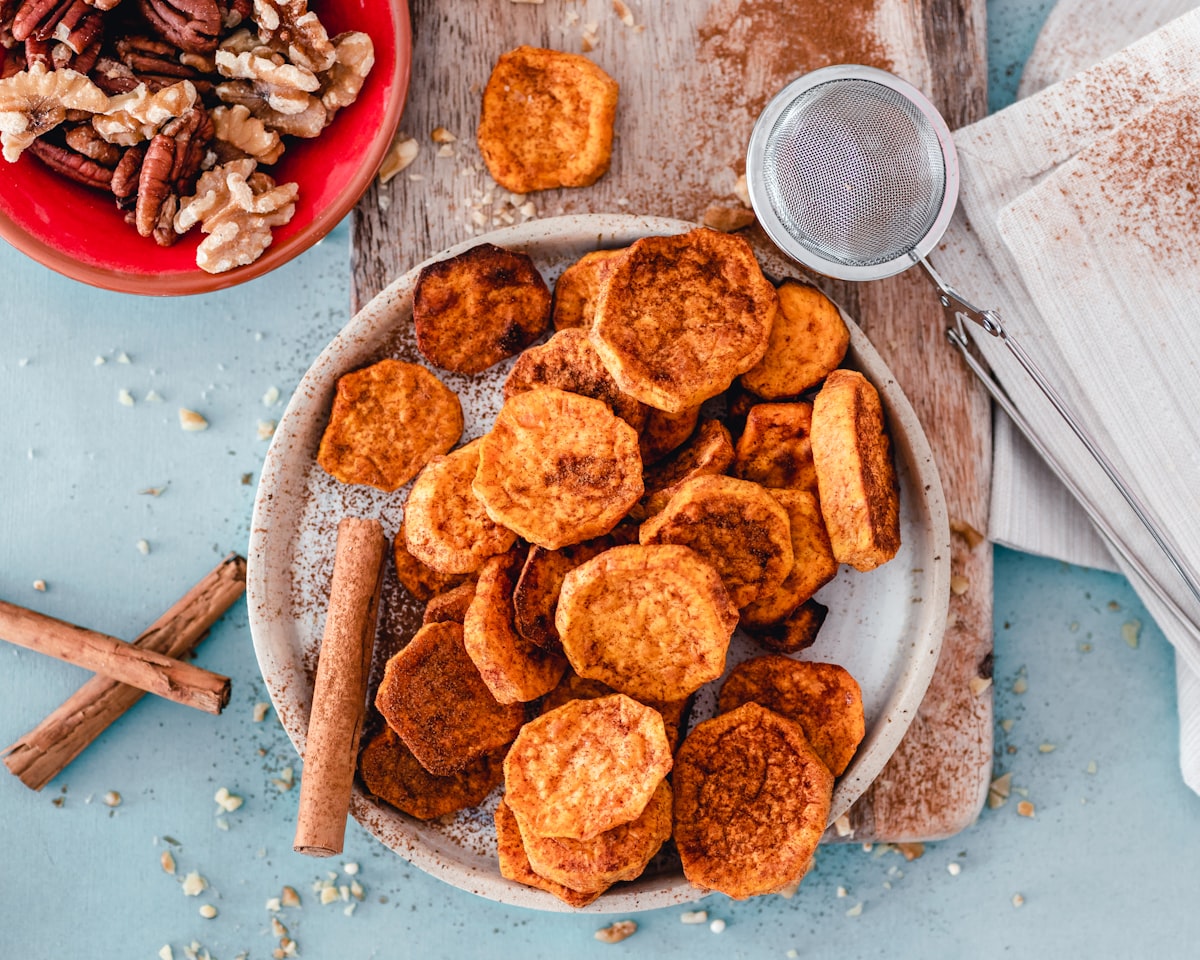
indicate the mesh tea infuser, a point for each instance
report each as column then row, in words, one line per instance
column 852, row 172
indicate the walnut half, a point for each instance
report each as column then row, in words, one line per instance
column 237, row 207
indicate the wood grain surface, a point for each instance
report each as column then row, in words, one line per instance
column 694, row 76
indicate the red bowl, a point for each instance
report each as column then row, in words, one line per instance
column 80, row 233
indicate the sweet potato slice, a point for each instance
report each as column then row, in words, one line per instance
column 433, row 697
column 751, row 802
column 808, row 341
column 822, row 697
column 514, row 669
column 860, row 496
column 775, row 448
column 388, row 421
column 577, row 288
column 514, row 863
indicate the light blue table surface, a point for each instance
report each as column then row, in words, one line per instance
column 1109, row 867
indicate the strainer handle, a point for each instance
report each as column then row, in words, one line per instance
column 960, row 310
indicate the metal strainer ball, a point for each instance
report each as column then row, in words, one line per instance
column 852, row 171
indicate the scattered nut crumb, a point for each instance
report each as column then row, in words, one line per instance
column 959, row 584
column 856, row 910
column 979, row 684
column 153, row 491
column 123, row 357
column 953, row 868
column 165, row 952
column 286, row 779
column 168, row 862
column 590, row 38
column 208, row 911
column 39, row 586
column 266, row 429
column 973, row 537
column 194, row 884
column 717, row 926
column 260, row 711
column 616, row 932
column 227, row 801
column 841, row 893
column 246, row 478
column 329, row 895
column 99, row 361
column 1046, row 748
column 1025, row 809
column 350, row 869
column 277, row 928
column 694, row 916
column 349, row 910
column 191, row 421
column 442, row 135
column 271, row 397
column 112, row 799
column 1131, row 630
column 273, row 904
column 356, row 890
column 998, row 791
column 125, row 398
column 624, row 14
column 1091, row 767
column 1006, row 724
column 1020, row 685
column 1085, row 648
column 1018, row 900
column 152, row 396
column 911, row 851
column 289, row 897
column 1113, row 606
column 143, row 547
column 727, row 219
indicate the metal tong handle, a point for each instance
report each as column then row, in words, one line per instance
column 960, row 310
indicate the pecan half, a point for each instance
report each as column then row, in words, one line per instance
column 191, row 133
column 71, row 22
column 72, row 165
column 154, row 182
column 125, row 175
column 192, row 25
column 59, row 56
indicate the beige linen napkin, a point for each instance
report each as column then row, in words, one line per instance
column 1080, row 222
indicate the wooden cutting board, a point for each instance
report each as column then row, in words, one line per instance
column 694, row 75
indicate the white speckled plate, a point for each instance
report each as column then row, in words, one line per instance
column 885, row 626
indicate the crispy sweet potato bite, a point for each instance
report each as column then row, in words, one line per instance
column 577, row 288
column 822, row 697
column 558, row 468
column 586, row 767
column 860, row 496
column 388, row 421
column 391, row 772
column 751, row 801
column 445, row 525
column 547, row 120
column 679, row 317
column 651, row 621
column 808, row 341
column 433, row 697
column 736, row 526
column 477, row 308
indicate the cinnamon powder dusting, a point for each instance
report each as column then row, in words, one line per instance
column 1148, row 179
column 758, row 46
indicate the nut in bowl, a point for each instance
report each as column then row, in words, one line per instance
column 144, row 96
column 883, row 627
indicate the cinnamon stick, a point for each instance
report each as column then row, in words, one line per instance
column 145, row 669
column 339, row 694
column 46, row 750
